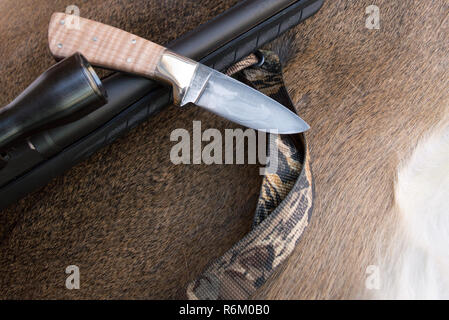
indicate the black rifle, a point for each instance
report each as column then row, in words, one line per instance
column 218, row 43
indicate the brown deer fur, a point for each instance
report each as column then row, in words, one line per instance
column 140, row 227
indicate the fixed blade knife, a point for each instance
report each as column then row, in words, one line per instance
column 109, row 47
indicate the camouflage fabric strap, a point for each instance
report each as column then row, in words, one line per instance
column 283, row 210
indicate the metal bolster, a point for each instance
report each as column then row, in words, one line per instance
column 177, row 71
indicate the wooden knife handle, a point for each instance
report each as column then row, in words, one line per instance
column 102, row 45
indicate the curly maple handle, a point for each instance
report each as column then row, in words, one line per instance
column 102, row 45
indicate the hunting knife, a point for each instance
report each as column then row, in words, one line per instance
column 109, row 47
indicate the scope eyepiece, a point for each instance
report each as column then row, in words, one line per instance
column 64, row 93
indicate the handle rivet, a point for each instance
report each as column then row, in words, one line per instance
column 129, row 60
column 133, row 41
column 94, row 39
column 60, row 45
column 62, row 22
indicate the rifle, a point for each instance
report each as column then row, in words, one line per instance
column 218, row 43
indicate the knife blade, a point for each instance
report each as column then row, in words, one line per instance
column 109, row 47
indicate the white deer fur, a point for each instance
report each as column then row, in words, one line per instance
column 415, row 263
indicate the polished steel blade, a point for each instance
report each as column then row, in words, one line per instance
column 240, row 103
